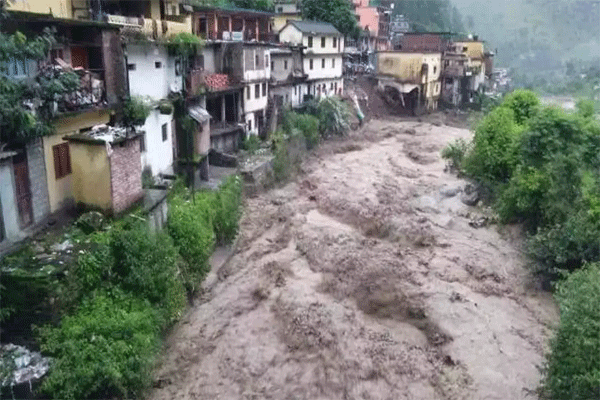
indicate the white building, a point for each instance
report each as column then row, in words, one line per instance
column 256, row 75
column 322, row 58
column 153, row 74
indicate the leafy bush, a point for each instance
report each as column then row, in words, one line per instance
column 251, row 144
column 135, row 111
column 333, row 115
column 523, row 198
column 227, row 202
column 455, row 152
column 146, row 265
column 105, row 350
column 494, row 154
column 572, row 369
column 305, row 124
column 190, row 225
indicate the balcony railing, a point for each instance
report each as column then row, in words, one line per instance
column 234, row 36
column 124, row 21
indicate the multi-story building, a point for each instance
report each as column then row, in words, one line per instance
column 289, row 79
column 410, row 79
column 285, row 11
column 375, row 21
column 236, row 70
column 322, row 56
column 464, row 71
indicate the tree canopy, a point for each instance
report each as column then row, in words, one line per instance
column 339, row 13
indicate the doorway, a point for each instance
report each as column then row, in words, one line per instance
column 23, row 189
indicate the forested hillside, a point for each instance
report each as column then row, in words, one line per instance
column 431, row 16
column 536, row 34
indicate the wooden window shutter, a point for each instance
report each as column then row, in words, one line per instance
column 62, row 160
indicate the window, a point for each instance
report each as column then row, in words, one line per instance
column 16, row 68
column 284, row 64
column 143, row 143
column 264, row 89
column 248, row 94
column 266, row 60
column 335, row 87
column 331, row 86
column 334, row 42
column 279, row 10
column 62, row 160
column 434, row 69
column 310, row 63
column 310, row 40
column 272, row 66
column 165, row 133
column 333, row 63
column 256, row 91
column 177, row 67
column 323, row 41
column 249, row 124
column 255, row 61
column 287, row 98
column 131, row 67
column 295, row 90
column 157, row 64
column 322, row 63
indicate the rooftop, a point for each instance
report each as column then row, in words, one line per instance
column 314, row 27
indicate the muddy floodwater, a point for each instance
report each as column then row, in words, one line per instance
column 367, row 277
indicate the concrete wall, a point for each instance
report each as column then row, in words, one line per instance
column 333, row 66
column 125, row 174
column 147, row 79
column 282, row 65
column 406, row 67
column 60, row 191
column 280, row 20
column 8, row 202
column 368, row 17
column 209, row 59
column 114, row 66
column 474, row 49
column 91, row 175
column 328, row 49
column 40, row 202
column 58, row 8
column 290, row 34
column 158, row 155
column 252, row 70
column 325, row 87
column 291, row 94
column 251, row 103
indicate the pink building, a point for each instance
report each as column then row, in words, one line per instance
column 375, row 21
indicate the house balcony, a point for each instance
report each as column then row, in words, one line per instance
column 163, row 29
column 454, row 71
column 91, row 93
column 199, row 82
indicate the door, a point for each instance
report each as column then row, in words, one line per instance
column 2, row 234
column 23, row 189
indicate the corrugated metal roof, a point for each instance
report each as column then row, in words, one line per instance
column 315, row 27
column 199, row 114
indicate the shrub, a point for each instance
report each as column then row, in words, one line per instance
column 455, row 152
column 333, row 115
column 572, row 369
column 494, row 154
column 251, row 144
column 190, row 225
column 105, row 350
column 227, row 202
column 146, row 264
column 305, row 124
column 135, row 111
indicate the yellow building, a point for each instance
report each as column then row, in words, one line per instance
column 57, row 8
column 151, row 18
column 285, row 10
column 59, row 158
column 412, row 79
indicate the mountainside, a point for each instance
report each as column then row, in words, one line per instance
column 536, row 34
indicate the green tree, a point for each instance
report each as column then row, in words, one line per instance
column 572, row 368
column 339, row 13
column 20, row 120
